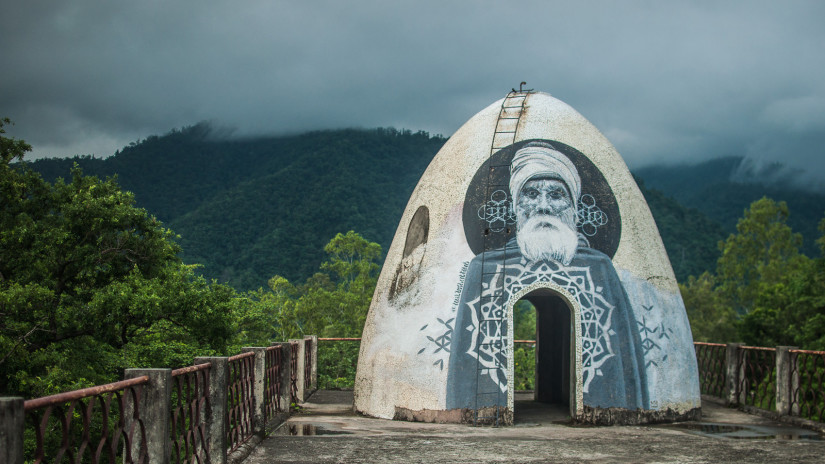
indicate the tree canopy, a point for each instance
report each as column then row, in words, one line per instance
column 90, row 284
column 764, row 292
column 331, row 303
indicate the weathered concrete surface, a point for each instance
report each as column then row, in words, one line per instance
column 534, row 438
column 436, row 315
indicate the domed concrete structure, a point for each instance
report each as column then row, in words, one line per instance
column 527, row 200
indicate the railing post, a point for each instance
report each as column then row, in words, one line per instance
column 299, row 374
column 286, row 353
column 795, row 388
column 12, row 422
column 784, row 377
column 258, row 389
column 313, row 382
column 215, row 419
column 732, row 373
column 156, row 408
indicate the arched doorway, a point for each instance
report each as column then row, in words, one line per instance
column 558, row 346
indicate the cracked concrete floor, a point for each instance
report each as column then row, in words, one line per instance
column 327, row 431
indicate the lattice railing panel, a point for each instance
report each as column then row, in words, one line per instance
column 240, row 381
column 190, row 404
column 96, row 424
column 712, row 371
column 808, row 398
column 272, row 387
column 757, row 377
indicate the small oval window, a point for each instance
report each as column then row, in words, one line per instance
column 418, row 230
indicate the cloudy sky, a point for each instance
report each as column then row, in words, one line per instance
column 664, row 80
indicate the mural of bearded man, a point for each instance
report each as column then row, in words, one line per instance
column 547, row 252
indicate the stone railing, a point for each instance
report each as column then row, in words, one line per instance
column 204, row 413
column 783, row 380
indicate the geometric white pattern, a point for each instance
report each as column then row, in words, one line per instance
column 491, row 327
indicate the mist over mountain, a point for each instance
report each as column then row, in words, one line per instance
column 723, row 188
column 248, row 209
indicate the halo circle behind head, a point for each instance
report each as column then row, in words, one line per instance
column 489, row 217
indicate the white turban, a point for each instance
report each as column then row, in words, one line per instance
column 534, row 160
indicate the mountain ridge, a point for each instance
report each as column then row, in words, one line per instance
column 248, row 209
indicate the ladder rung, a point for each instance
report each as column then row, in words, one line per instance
column 488, row 274
column 494, row 296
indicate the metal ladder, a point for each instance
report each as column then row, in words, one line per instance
column 509, row 117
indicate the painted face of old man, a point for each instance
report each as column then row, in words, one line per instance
column 545, row 185
column 546, row 221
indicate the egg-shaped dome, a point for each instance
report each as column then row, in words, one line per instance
column 527, row 201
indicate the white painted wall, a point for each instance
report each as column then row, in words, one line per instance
column 400, row 367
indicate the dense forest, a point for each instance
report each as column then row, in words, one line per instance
column 248, row 209
column 92, row 278
column 91, row 284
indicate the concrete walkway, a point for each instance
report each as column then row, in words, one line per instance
column 328, row 431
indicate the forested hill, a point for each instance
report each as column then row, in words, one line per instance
column 709, row 188
column 250, row 209
column 690, row 237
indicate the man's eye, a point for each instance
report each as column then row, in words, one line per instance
column 557, row 194
column 531, row 193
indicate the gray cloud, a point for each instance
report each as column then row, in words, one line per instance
column 665, row 81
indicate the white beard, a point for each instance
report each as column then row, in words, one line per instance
column 538, row 241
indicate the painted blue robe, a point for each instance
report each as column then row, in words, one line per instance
column 613, row 370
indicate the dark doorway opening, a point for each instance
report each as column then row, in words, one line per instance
column 552, row 347
column 551, row 386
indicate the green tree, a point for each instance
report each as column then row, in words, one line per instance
column 811, row 300
column 524, row 322
column 353, row 262
column 332, row 303
column 765, row 292
column 88, row 281
column 11, row 149
column 711, row 318
column 792, row 310
column 760, row 255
